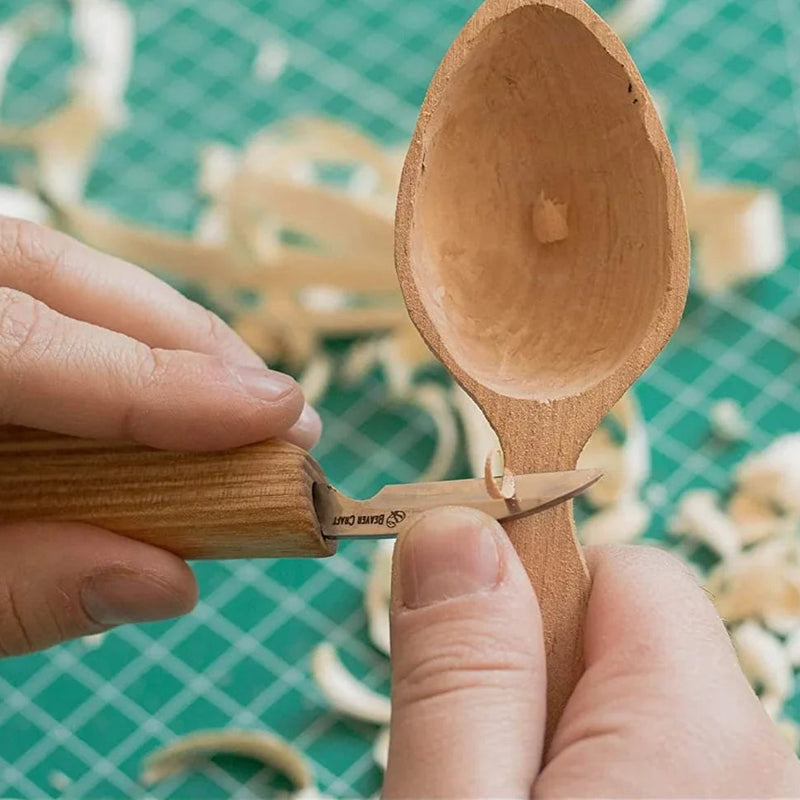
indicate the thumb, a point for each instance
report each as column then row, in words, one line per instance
column 468, row 668
column 58, row 582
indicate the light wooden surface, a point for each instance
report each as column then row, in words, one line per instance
column 253, row 502
column 545, row 322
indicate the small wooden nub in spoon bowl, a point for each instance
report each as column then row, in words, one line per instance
column 542, row 250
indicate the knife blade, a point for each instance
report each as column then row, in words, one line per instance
column 395, row 508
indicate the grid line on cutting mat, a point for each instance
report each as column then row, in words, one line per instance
column 728, row 69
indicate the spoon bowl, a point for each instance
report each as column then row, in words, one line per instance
column 542, row 250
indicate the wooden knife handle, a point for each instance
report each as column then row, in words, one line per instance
column 252, row 502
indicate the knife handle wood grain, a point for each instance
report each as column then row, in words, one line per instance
column 252, row 502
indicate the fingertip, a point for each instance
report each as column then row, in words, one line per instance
column 159, row 588
column 69, row 580
column 306, row 432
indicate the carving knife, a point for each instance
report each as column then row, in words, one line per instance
column 265, row 500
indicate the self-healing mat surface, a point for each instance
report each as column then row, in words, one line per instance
column 729, row 69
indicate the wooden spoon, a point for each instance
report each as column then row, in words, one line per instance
column 543, row 254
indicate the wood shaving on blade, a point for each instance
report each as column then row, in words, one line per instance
column 494, row 469
column 762, row 581
column 728, row 422
column 765, row 663
column 630, row 18
column 260, row 746
column 377, row 595
column 380, row 750
column 344, row 691
column 699, row 516
column 773, row 475
column 618, row 524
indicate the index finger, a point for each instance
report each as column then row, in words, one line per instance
column 90, row 286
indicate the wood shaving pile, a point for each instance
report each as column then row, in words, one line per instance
column 737, row 228
column 755, row 584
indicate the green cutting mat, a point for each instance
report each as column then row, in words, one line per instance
column 731, row 67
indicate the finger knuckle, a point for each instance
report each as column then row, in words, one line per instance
column 27, row 331
column 461, row 664
column 151, row 366
column 217, row 331
column 29, row 245
column 26, row 327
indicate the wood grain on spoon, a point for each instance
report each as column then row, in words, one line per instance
column 542, row 251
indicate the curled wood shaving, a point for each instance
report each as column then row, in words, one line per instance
column 66, row 141
column 617, row 524
column 507, row 488
column 316, row 377
column 16, row 32
column 104, row 32
column 764, row 661
column 738, row 232
column 738, row 229
column 699, row 516
column 728, row 422
column 757, row 520
column 630, row 18
column 400, row 355
column 763, row 581
column 380, row 750
column 625, row 467
column 773, row 476
column 271, row 60
column 345, row 692
column 260, row 746
column 21, row 204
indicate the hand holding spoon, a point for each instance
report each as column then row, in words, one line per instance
column 542, row 250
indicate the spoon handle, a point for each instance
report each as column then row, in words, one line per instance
column 548, row 548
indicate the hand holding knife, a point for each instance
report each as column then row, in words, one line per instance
column 261, row 501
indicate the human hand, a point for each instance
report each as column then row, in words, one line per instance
column 92, row 346
column 663, row 709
